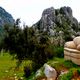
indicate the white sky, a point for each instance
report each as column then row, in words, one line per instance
column 30, row 11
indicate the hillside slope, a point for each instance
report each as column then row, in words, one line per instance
column 5, row 17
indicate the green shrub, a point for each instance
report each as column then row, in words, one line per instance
column 67, row 76
column 69, row 64
column 49, row 53
column 28, row 68
column 78, row 71
column 57, row 51
column 72, row 72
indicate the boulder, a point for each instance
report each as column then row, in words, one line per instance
column 78, row 47
column 70, row 44
column 72, row 54
column 77, row 40
column 50, row 72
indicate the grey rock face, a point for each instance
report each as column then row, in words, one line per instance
column 66, row 11
column 47, row 19
column 1, row 22
column 55, row 20
column 5, row 17
column 52, row 32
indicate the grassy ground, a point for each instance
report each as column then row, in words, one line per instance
column 60, row 65
column 8, row 70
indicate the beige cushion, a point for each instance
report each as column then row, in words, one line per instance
column 77, row 40
column 70, row 44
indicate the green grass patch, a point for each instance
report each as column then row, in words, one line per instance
column 60, row 63
column 8, row 66
column 73, row 72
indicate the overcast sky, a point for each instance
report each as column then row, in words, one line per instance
column 30, row 10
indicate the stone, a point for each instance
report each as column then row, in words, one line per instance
column 50, row 72
column 78, row 47
column 70, row 44
column 72, row 55
column 72, row 50
column 52, row 32
column 77, row 40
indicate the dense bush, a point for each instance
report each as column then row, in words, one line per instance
column 57, row 51
column 67, row 76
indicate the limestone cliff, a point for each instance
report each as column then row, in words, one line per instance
column 58, row 22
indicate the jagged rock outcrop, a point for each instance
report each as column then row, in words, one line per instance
column 54, row 21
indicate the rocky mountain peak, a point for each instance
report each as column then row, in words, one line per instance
column 50, row 11
column 5, row 17
column 66, row 11
column 54, row 21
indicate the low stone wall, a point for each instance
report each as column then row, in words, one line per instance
column 72, row 54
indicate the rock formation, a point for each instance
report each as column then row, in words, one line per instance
column 72, row 50
column 70, row 44
column 50, row 72
column 58, row 22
